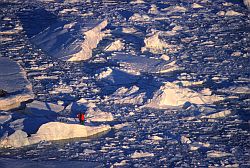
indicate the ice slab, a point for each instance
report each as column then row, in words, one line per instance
column 14, row 163
column 70, row 40
column 247, row 3
column 52, row 131
column 13, row 80
column 43, row 109
column 173, row 95
column 140, row 64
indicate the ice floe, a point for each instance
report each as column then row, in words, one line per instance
column 217, row 154
column 141, row 154
column 59, row 40
column 173, row 95
column 140, row 64
column 13, row 80
column 125, row 95
column 140, row 18
column 92, row 39
column 117, row 45
column 220, row 114
column 52, row 131
column 247, row 3
column 156, row 45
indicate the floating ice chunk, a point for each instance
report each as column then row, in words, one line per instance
column 120, row 126
column 141, row 64
column 196, row 6
column 247, row 3
column 62, row 89
column 198, row 145
column 185, row 140
column 118, row 45
column 173, row 9
column 58, row 131
column 236, row 90
column 4, row 118
column 17, row 139
column 88, row 151
column 60, row 40
column 156, row 138
column 96, row 115
column 173, row 95
column 52, row 131
column 43, row 109
column 140, row 18
column 156, row 45
column 122, row 163
column 141, row 154
column 130, row 95
column 137, row 2
column 233, row 13
column 217, row 154
column 104, row 73
column 220, row 114
column 189, row 83
column 153, row 9
column 13, row 80
column 165, row 57
column 236, row 54
column 129, row 30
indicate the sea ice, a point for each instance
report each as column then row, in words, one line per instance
column 156, row 45
column 52, row 131
column 117, row 45
column 141, row 154
column 173, row 95
column 13, row 80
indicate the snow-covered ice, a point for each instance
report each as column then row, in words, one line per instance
column 173, row 95
column 13, row 80
column 186, row 61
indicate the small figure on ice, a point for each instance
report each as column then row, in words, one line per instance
column 81, row 118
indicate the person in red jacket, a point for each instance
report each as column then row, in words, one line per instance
column 81, row 118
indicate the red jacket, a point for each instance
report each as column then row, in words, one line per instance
column 81, row 117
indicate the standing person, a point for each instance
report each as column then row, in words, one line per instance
column 81, row 118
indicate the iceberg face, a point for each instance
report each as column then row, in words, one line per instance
column 13, row 80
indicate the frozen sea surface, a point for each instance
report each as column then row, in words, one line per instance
column 212, row 39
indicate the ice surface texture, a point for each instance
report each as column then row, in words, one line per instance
column 13, row 80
